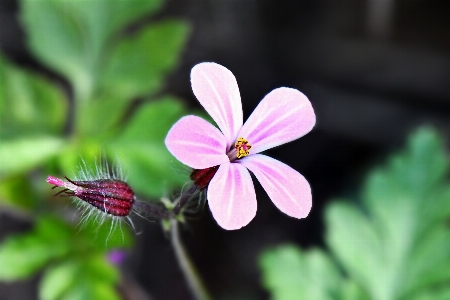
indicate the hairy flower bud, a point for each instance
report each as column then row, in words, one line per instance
column 112, row 196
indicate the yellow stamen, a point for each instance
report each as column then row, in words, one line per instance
column 243, row 147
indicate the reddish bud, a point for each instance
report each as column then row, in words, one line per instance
column 111, row 196
column 202, row 177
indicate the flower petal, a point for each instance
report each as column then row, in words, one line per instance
column 216, row 89
column 283, row 115
column 231, row 196
column 196, row 143
column 287, row 188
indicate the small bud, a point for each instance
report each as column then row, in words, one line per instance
column 112, row 196
column 202, row 177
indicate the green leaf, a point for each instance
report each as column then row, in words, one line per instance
column 29, row 104
column 22, row 256
column 139, row 63
column 17, row 192
column 88, row 290
column 99, row 269
column 53, row 229
column 100, row 117
column 397, row 244
column 90, row 277
column 425, row 163
column 57, row 280
column 72, row 36
column 137, row 67
column 74, row 156
column 429, row 263
column 151, row 169
column 108, row 235
column 435, row 294
column 26, row 153
column 289, row 273
column 350, row 290
column 355, row 243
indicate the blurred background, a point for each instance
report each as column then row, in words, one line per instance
column 373, row 70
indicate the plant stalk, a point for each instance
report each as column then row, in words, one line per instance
column 190, row 273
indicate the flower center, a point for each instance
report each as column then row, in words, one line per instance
column 242, row 147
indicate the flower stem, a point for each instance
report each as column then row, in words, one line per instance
column 184, row 198
column 155, row 210
column 190, row 273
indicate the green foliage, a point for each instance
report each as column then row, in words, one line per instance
column 32, row 113
column 21, row 256
column 29, row 104
column 44, row 128
column 107, row 69
column 394, row 245
column 24, row 201
column 75, row 263
column 89, row 277
column 144, row 58
column 290, row 273
column 107, row 72
column 20, row 155
column 141, row 147
column 73, row 36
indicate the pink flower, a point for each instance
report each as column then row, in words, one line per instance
column 283, row 115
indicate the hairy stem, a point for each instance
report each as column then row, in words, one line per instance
column 184, row 198
column 187, row 267
column 155, row 210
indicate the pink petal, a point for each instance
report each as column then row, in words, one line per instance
column 196, row 143
column 216, row 89
column 231, row 196
column 287, row 188
column 283, row 115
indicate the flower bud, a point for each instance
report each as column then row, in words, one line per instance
column 202, row 177
column 112, row 196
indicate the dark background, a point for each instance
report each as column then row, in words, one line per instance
column 373, row 70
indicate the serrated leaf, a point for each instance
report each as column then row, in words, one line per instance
column 429, row 263
column 139, row 63
column 29, row 104
column 396, row 245
column 356, row 244
column 289, row 273
column 427, row 163
column 72, row 36
column 23, row 154
column 151, row 169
